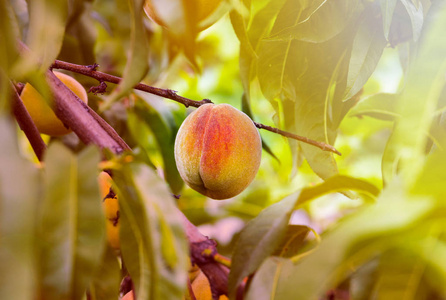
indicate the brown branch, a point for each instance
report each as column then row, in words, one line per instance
column 172, row 95
column 81, row 119
column 203, row 251
column 27, row 125
column 320, row 145
column 91, row 72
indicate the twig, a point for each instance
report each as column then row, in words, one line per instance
column 27, row 125
column 80, row 118
column 320, row 145
column 200, row 246
column 172, row 95
column 91, row 72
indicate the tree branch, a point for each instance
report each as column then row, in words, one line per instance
column 27, row 125
column 90, row 71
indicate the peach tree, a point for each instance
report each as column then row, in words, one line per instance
column 312, row 79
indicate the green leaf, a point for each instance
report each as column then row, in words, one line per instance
column 137, row 64
column 246, row 108
column 405, row 150
column 338, row 183
column 72, row 228
column 357, row 237
column 262, row 235
column 387, row 10
column 20, row 196
column 107, row 278
column 46, row 30
column 430, row 181
column 159, row 121
column 325, row 20
column 153, row 244
column 10, row 32
column 263, row 284
column 368, row 46
column 298, row 77
column 416, row 17
column 293, row 240
column 259, row 239
column 381, row 106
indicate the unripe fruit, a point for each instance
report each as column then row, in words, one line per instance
column 202, row 288
column 110, row 205
column 218, row 151
column 40, row 111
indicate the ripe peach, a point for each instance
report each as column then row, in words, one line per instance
column 40, row 110
column 218, row 151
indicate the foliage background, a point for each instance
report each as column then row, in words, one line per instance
column 366, row 76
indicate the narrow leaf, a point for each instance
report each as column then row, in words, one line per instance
column 160, row 123
column 368, row 46
column 73, row 224
column 387, row 10
column 416, row 17
column 259, row 239
column 19, row 199
column 45, row 35
column 328, row 19
column 107, row 278
column 380, row 106
column 153, row 244
column 137, row 63
column 417, row 104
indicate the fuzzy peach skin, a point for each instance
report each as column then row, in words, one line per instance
column 218, row 151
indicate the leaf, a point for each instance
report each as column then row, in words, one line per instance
column 246, row 108
column 107, row 278
column 9, row 30
column 153, row 244
column 430, row 181
column 417, row 104
column 297, row 78
column 387, row 10
column 357, row 237
column 72, row 227
column 263, row 284
column 381, row 106
column 338, row 183
column 137, row 64
column 145, row 117
column 45, row 34
column 326, row 20
column 367, row 49
column 262, row 235
column 293, row 240
column 416, row 17
column 19, row 199
column 259, row 239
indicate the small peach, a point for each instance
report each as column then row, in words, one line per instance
column 218, row 151
column 41, row 111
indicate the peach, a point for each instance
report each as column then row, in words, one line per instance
column 218, row 151
column 42, row 112
column 110, row 205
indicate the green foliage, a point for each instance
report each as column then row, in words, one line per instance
column 72, row 226
column 19, row 196
column 153, row 244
